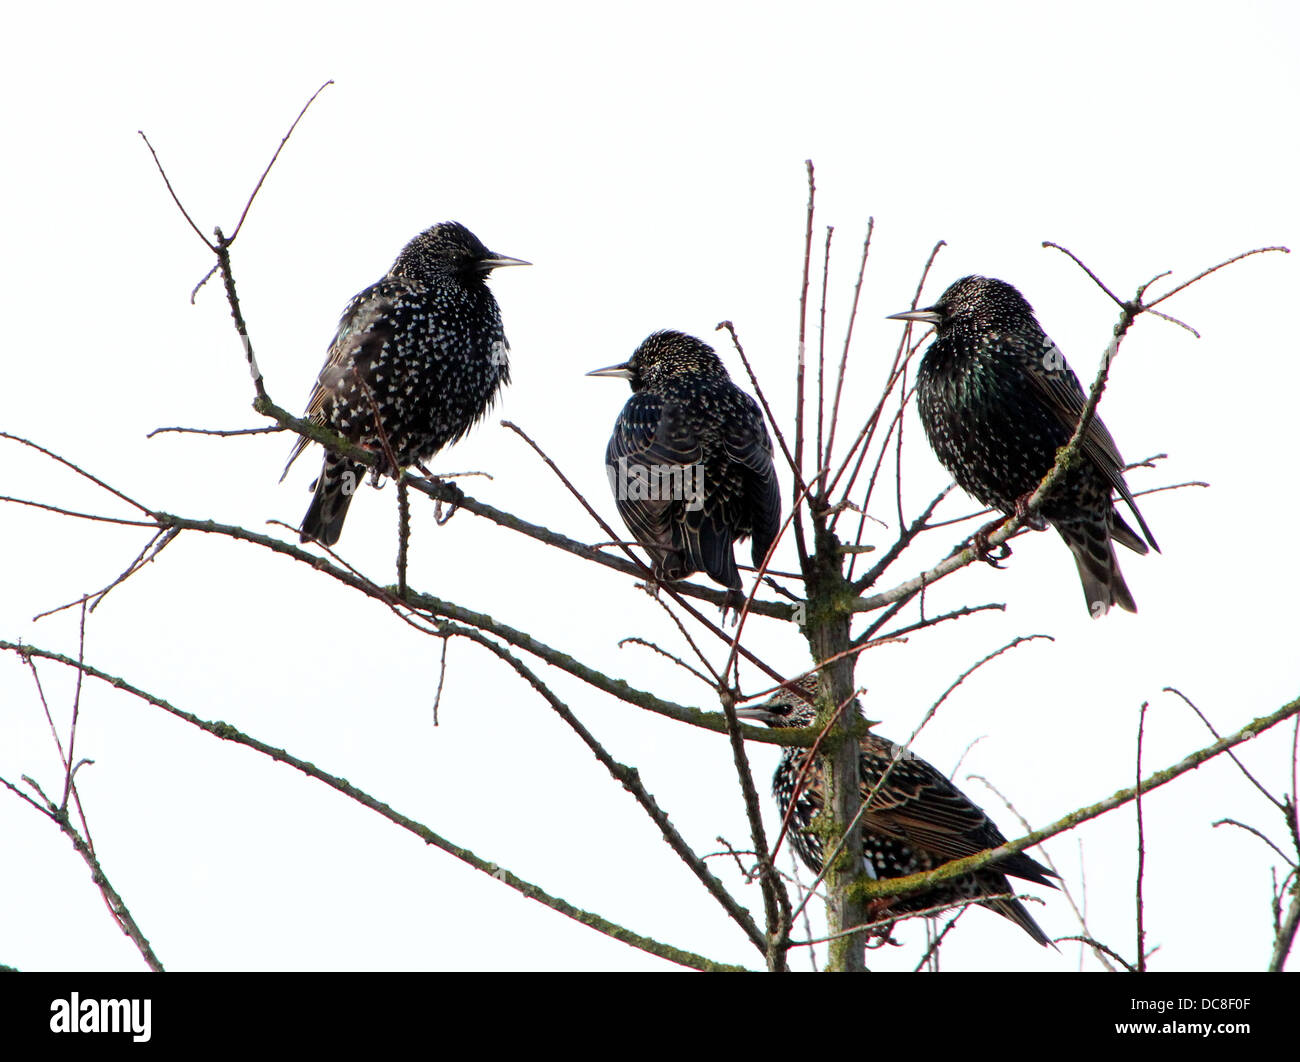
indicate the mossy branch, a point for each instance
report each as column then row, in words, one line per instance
column 226, row 732
column 872, row 890
column 630, row 779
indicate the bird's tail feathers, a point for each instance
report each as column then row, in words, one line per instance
column 712, row 550
column 1118, row 521
column 338, row 481
column 298, row 447
column 1010, row 907
column 1126, row 536
column 1094, row 555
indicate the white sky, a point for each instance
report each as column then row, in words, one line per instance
column 652, row 169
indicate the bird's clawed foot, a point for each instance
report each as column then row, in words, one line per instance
column 983, row 551
column 733, row 601
column 880, row 926
column 1033, row 521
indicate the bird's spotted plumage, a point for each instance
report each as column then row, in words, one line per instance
column 418, row 359
column 690, row 461
column 998, row 400
column 915, row 819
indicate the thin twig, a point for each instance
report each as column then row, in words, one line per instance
column 155, row 546
column 1241, row 766
column 449, row 492
column 1251, row 829
column 1019, row 640
column 871, row 890
column 403, row 532
column 1214, row 269
column 933, row 950
column 922, row 624
column 1079, row 911
column 442, row 677
column 74, row 513
column 226, row 732
column 1097, row 945
column 762, row 399
column 864, row 435
column 776, row 901
column 710, row 682
column 733, row 656
column 905, row 537
column 630, row 780
column 172, row 192
column 266, row 430
column 821, row 349
column 648, row 574
column 75, row 468
column 803, row 333
column 116, row 905
column 1095, row 279
column 825, row 458
column 433, row 606
column 717, row 680
column 69, row 770
column 1141, row 842
column 283, row 140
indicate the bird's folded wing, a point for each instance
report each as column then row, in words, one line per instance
column 924, row 808
column 365, row 328
column 1065, row 397
column 752, row 450
column 650, row 436
column 918, row 804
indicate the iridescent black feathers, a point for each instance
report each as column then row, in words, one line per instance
column 690, row 461
column 915, row 818
column 998, row 401
column 418, row 359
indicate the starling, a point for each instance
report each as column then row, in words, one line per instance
column 690, row 462
column 998, row 400
column 916, row 820
column 418, row 359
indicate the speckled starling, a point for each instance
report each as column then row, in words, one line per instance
column 690, row 462
column 916, row 820
column 998, row 400
column 418, row 359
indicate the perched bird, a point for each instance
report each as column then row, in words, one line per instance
column 916, row 820
column 690, row 462
column 418, row 359
column 998, row 400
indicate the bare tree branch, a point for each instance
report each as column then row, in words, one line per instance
column 959, row 867
column 226, row 732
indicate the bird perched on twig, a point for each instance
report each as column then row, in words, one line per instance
column 915, row 819
column 998, row 400
column 418, row 359
column 690, row 462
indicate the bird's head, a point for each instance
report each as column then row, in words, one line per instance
column 664, row 356
column 449, row 249
column 786, row 708
column 974, row 301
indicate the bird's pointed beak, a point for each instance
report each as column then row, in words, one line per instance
column 757, row 713
column 622, row 372
column 929, row 315
column 499, row 261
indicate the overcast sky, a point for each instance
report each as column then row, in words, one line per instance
column 652, row 167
